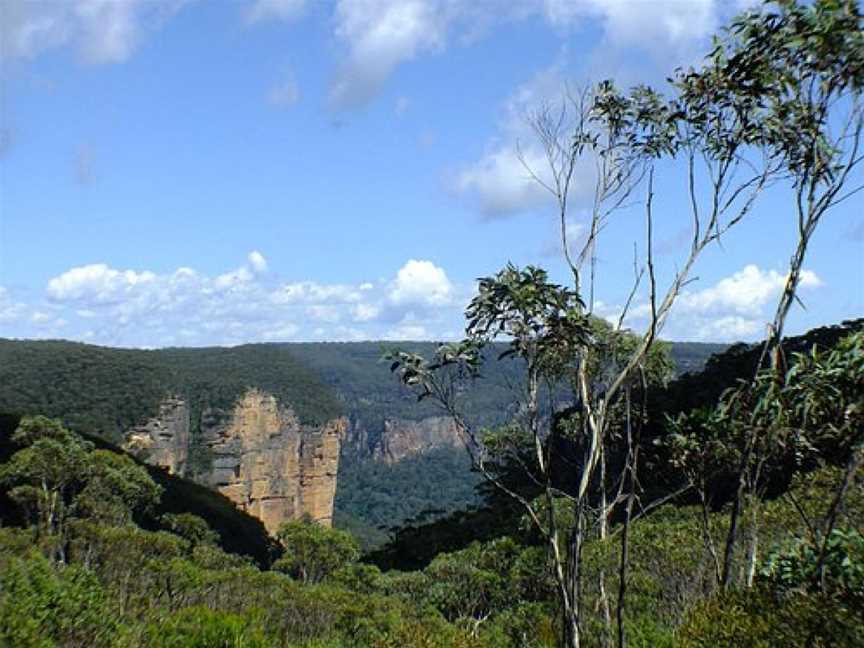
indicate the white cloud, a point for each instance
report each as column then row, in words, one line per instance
column 658, row 26
column 143, row 308
column 324, row 313
column 283, row 333
column 311, row 292
column 745, row 292
column 501, row 184
column 10, row 310
column 365, row 312
column 577, row 235
column 257, row 261
column 507, row 179
column 736, row 307
column 103, row 31
column 381, row 34
column 407, row 332
column 96, row 282
column 285, row 10
column 421, row 283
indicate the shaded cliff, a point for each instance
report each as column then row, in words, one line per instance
column 259, row 455
column 165, row 439
column 401, row 438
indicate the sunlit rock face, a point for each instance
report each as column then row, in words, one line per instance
column 271, row 466
column 260, row 457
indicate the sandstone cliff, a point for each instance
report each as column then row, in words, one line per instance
column 403, row 438
column 165, row 439
column 260, row 456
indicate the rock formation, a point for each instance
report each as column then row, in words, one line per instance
column 403, row 438
column 261, row 457
column 164, row 440
column 270, row 465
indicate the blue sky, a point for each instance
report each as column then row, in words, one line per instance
column 211, row 172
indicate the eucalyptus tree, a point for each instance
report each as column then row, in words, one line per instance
column 801, row 65
column 733, row 126
column 45, row 475
column 57, row 476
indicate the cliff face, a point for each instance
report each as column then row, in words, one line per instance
column 262, row 458
column 270, row 465
column 403, row 438
column 163, row 440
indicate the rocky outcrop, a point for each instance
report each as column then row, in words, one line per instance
column 270, row 465
column 260, row 456
column 403, row 438
column 164, row 440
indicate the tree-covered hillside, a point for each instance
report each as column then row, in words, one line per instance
column 237, row 532
column 105, row 391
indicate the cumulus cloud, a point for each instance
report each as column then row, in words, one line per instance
column 671, row 32
column 103, row 31
column 736, row 307
column 257, row 261
column 11, row 311
column 508, row 179
column 130, row 307
column 657, row 26
column 745, row 292
column 407, row 332
column 380, row 35
column 421, row 283
column 97, row 283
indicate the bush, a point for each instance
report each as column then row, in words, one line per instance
column 41, row 606
column 759, row 618
column 200, row 627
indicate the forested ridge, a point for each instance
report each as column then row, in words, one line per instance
column 105, row 391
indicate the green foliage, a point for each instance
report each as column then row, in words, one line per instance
column 106, row 391
column 103, row 392
column 191, row 528
column 116, row 487
column 46, row 475
column 796, row 567
column 389, row 496
column 312, row 551
column 200, row 627
column 814, row 411
column 43, row 606
column 757, row 618
column 59, row 476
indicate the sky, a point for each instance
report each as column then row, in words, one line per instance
column 216, row 172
